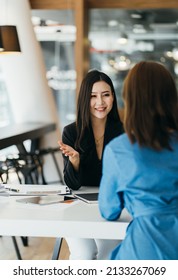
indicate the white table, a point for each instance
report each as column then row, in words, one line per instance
column 77, row 219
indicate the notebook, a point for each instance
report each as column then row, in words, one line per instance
column 87, row 197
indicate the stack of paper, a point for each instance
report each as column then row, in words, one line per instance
column 32, row 190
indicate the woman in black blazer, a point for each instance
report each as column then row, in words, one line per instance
column 82, row 146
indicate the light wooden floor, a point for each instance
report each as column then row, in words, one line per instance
column 38, row 249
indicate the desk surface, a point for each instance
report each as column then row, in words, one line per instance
column 77, row 219
column 17, row 133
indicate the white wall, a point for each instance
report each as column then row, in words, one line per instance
column 25, row 75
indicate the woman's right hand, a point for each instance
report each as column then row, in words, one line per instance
column 73, row 155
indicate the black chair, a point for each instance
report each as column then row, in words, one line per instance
column 30, row 165
column 51, row 151
column 28, row 168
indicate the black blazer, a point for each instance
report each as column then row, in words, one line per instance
column 90, row 169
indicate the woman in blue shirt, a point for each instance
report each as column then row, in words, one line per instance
column 143, row 176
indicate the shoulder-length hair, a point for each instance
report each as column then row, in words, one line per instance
column 83, row 105
column 151, row 105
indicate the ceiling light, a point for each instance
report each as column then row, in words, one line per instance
column 145, row 46
column 122, row 40
column 139, row 29
column 134, row 15
column 35, row 20
column 122, row 63
column 112, row 23
column 9, row 42
column 175, row 53
column 169, row 54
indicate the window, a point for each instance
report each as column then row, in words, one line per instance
column 56, row 32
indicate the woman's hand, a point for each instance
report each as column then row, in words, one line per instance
column 73, row 155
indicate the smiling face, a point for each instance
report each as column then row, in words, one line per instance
column 101, row 100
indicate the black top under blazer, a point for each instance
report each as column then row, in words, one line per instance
column 90, row 169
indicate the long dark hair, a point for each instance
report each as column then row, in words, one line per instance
column 151, row 105
column 83, row 105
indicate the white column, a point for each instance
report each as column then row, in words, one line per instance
column 30, row 97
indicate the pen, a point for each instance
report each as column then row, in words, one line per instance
column 13, row 190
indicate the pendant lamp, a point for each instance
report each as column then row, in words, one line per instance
column 9, row 42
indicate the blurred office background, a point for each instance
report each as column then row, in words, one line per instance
column 117, row 38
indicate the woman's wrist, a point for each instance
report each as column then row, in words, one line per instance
column 75, row 161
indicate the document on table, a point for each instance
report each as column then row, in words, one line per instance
column 32, row 190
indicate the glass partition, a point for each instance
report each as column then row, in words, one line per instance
column 120, row 38
column 56, row 32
